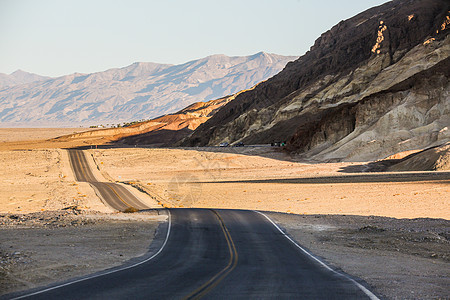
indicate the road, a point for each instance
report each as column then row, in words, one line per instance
column 115, row 195
column 209, row 254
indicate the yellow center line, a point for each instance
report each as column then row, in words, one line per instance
column 78, row 154
column 118, row 196
column 232, row 262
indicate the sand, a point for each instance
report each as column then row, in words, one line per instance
column 30, row 134
column 248, row 179
column 41, row 179
column 43, row 138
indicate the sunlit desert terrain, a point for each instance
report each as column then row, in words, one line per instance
column 332, row 209
column 39, row 180
column 243, row 177
column 263, row 179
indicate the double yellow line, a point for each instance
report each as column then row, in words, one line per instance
column 117, row 194
column 232, row 262
column 80, row 165
column 78, row 154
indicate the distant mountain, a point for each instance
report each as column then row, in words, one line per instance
column 373, row 85
column 138, row 91
column 19, row 77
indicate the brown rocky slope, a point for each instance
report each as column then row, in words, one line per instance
column 373, row 85
column 165, row 130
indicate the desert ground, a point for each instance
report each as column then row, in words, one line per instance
column 391, row 233
column 42, row 248
column 8, row 135
column 261, row 178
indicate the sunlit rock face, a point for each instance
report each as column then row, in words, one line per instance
column 373, row 85
column 139, row 91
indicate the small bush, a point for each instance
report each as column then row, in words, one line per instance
column 130, row 209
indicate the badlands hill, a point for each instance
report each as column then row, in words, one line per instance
column 162, row 131
column 139, row 91
column 371, row 86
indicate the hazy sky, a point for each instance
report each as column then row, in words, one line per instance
column 58, row 37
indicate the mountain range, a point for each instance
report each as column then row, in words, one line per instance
column 139, row 91
column 19, row 77
column 371, row 86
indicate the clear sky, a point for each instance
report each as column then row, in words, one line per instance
column 58, row 37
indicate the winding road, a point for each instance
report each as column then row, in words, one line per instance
column 209, row 254
column 115, row 195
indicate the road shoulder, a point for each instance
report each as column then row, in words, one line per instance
column 398, row 258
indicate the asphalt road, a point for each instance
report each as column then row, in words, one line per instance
column 112, row 194
column 216, row 254
column 207, row 254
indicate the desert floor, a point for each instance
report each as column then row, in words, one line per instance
column 9, row 135
column 263, row 179
column 46, row 247
column 365, row 225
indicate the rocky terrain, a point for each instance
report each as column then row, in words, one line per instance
column 42, row 248
column 165, row 130
column 371, row 86
column 140, row 91
column 399, row 258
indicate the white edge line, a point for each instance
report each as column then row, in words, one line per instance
column 363, row 288
column 107, row 273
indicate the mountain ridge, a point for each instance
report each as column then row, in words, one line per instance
column 138, row 91
column 162, row 131
column 19, row 77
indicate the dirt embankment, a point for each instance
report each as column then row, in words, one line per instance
column 434, row 159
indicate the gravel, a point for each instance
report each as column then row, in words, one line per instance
column 397, row 258
column 41, row 248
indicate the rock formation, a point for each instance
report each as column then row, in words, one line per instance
column 161, row 131
column 373, row 85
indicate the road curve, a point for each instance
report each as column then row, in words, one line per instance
column 206, row 254
column 115, row 195
column 210, row 254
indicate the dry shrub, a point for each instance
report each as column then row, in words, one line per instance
column 131, row 209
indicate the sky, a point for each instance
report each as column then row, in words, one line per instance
column 60, row 37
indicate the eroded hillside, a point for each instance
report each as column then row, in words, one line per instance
column 165, row 130
column 373, row 85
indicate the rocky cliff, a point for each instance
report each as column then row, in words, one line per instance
column 371, row 86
